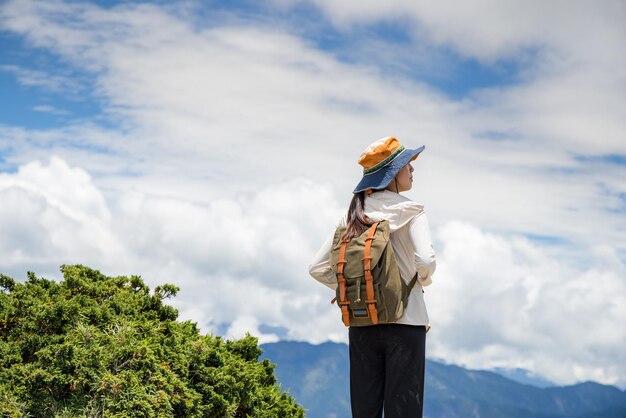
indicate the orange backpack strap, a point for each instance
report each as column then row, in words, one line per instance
column 369, row 279
column 343, row 302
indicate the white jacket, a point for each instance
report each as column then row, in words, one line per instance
column 411, row 242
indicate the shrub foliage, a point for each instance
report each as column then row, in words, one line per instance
column 98, row 346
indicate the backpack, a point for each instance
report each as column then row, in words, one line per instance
column 370, row 290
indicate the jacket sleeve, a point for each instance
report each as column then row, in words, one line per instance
column 424, row 252
column 320, row 268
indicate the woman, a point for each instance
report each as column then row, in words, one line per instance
column 387, row 361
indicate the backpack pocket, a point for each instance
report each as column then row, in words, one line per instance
column 356, row 293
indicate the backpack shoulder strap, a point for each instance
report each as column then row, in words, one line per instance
column 343, row 302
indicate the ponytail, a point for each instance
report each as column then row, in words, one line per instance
column 357, row 222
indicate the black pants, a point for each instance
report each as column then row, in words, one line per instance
column 387, row 370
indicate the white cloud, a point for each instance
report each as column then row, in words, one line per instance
column 489, row 29
column 50, row 109
column 233, row 258
column 52, row 215
column 499, row 301
column 38, row 78
column 242, row 258
column 571, row 83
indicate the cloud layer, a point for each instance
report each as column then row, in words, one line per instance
column 497, row 301
column 503, row 301
column 224, row 151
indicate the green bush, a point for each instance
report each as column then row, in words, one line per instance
column 98, row 346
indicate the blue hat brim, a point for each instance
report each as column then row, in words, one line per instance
column 381, row 178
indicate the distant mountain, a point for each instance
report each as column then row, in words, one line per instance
column 317, row 376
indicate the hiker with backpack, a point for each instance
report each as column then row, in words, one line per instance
column 377, row 261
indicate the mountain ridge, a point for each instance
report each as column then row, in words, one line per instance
column 318, row 377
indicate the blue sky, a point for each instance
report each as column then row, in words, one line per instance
column 213, row 145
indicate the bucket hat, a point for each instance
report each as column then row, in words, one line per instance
column 381, row 162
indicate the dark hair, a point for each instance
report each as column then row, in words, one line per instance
column 356, row 221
